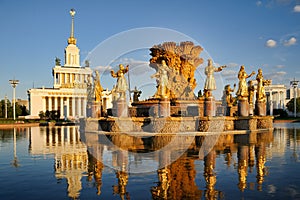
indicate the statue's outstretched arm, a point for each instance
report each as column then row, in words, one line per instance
column 126, row 68
column 113, row 74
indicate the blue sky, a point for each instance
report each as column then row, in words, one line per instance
column 257, row 34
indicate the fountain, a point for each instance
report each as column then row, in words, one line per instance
column 174, row 108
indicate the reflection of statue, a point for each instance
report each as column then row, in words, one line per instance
column 121, row 86
column 136, row 94
column 162, row 79
column 57, row 61
column 243, row 88
column 251, row 90
column 98, row 88
column 210, row 82
column 261, row 83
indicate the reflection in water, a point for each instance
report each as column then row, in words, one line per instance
column 71, row 159
column 15, row 161
column 244, row 157
column 178, row 180
column 95, row 168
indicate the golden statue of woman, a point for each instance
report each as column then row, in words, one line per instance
column 162, row 79
column 261, row 83
column 121, row 86
column 242, row 91
column 210, row 82
column 98, row 88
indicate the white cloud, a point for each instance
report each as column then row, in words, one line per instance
column 280, row 66
column 103, row 69
column 281, row 73
column 290, row 42
column 279, row 77
column 297, row 8
column 229, row 73
column 271, row 43
column 232, row 64
column 258, row 3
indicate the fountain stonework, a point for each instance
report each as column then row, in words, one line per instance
column 174, row 108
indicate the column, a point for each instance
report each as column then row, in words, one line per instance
column 84, row 107
column 68, row 108
column 61, row 106
column 44, row 104
column 54, row 78
column 59, row 81
column 73, row 106
column 271, row 103
column 79, row 107
column 55, row 103
column 282, row 100
column 49, row 103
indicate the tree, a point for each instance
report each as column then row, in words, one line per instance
column 9, row 109
column 290, row 105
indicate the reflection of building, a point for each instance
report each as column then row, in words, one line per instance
column 68, row 94
column 71, row 159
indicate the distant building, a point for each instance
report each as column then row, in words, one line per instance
column 22, row 102
column 290, row 93
column 276, row 97
column 69, row 92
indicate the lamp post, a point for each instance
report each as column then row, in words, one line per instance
column 14, row 84
column 294, row 84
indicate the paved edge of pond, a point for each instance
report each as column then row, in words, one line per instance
column 286, row 121
column 17, row 125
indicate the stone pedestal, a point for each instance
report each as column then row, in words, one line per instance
column 228, row 110
column 121, row 108
column 251, row 110
column 96, row 109
column 260, row 108
column 164, row 108
column 209, row 106
column 243, row 107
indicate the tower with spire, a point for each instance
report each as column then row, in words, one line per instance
column 72, row 56
column 69, row 93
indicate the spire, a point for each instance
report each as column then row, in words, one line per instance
column 72, row 39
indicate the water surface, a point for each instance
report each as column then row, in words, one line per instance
column 62, row 163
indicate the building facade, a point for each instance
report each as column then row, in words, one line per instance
column 276, row 97
column 69, row 92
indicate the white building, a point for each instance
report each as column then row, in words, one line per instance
column 69, row 92
column 276, row 97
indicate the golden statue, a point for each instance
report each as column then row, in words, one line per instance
column 251, row 90
column 261, row 83
column 162, row 80
column 210, row 82
column 97, row 88
column 228, row 100
column 121, row 86
column 182, row 60
column 242, row 91
column 136, row 94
